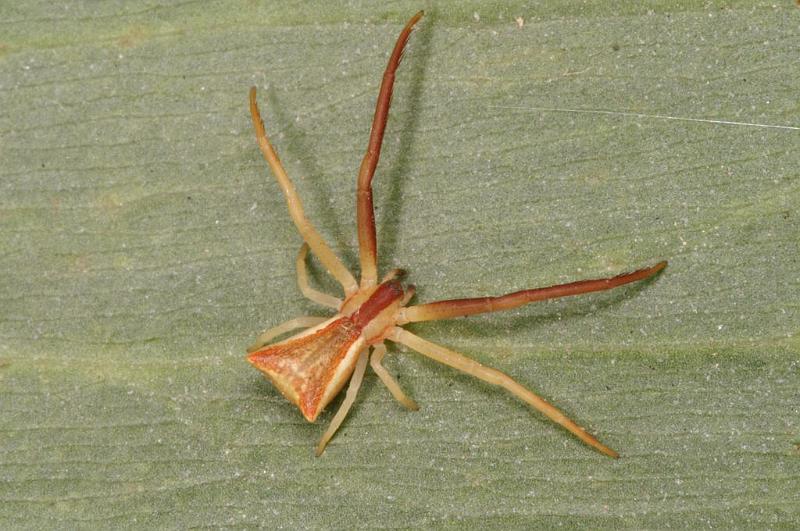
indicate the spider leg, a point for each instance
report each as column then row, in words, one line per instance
column 365, row 213
column 302, row 282
column 393, row 274
column 411, row 290
column 304, row 226
column 435, row 311
column 493, row 376
column 378, row 352
column 349, row 398
column 291, row 324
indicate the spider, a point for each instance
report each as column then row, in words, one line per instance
column 311, row 367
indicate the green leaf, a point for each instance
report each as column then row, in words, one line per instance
column 144, row 244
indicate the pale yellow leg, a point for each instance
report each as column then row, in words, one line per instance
column 411, row 289
column 493, row 376
column 393, row 274
column 292, row 324
column 349, row 398
column 307, row 230
column 305, row 288
column 378, row 352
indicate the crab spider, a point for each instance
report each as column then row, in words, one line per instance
column 311, row 367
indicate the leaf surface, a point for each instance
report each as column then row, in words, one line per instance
column 143, row 245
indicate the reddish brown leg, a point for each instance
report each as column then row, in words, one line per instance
column 434, row 311
column 367, row 242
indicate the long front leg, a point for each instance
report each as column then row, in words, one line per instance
column 435, row 311
column 305, row 288
column 304, row 226
column 347, row 403
column 493, row 376
column 365, row 213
